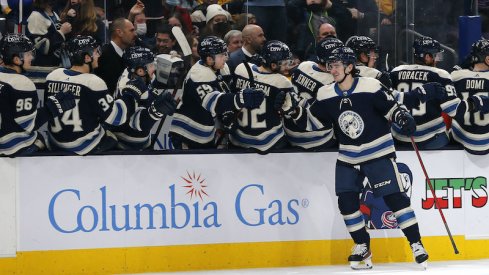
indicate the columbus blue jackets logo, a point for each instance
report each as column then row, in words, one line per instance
column 351, row 124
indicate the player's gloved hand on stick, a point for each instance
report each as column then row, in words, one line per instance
column 479, row 103
column 164, row 104
column 60, row 102
column 285, row 103
column 249, row 98
column 385, row 79
column 229, row 121
column 405, row 121
column 134, row 88
column 430, row 91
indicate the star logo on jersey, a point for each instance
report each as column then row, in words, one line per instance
column 195, row 185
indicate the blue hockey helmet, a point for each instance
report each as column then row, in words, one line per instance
column 210, row 46
column 426, row 45
column 325, row 47
column 343, row 54
column 480, row 49
column 137, row 57
column 361, row 44
column 15, row 45
column 80, row 46
column 275, row 51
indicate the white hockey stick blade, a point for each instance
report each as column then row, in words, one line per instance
column 182, row 41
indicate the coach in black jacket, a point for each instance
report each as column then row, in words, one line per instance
column 122, row 36
column 253, row 41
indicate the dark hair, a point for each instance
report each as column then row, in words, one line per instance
column 166, row 29
column 117, row 24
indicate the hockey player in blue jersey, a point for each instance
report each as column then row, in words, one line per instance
column 361, row 110
column 367, row 53
column 19, row 115
column 307, row 78
column 82, row 130
column 431, row 131
column 375, row 212
column 142, row 100
column 207, row 95
column 470, row 126
column 262, row 129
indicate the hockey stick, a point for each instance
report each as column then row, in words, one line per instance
column 184, row 45
column 252, row 85
column 433, row 193
column 427, row 178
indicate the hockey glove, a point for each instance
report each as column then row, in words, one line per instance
column 249, row 98
column 285, row 103
column 405, row 121
column 134, row 88
column 430, row 91
column 385, row 78
column 229, row 121
column 478, row 103
column 163, row 105
column 60, row 102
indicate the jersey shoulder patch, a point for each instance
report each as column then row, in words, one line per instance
column 326, row 92
column 367, row 85
column 18, row 82
column 201, row 73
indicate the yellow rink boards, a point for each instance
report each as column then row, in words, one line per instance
column 228, row 256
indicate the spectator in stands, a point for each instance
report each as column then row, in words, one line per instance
column 167, row 9
column 271, row 16
column 199, row 13
column 165, row 41
column 253, row 41
column 47, row 33
column 234, row 40
column 326, row 30
column 82, row 16
column 193, row 42
column 243, row 19
column 142, row 30
column 175, row 22
column 217, row 22
column 308, row 16
column 123, row 35
column 11, row 10
column 5, row 7
column 363, row 19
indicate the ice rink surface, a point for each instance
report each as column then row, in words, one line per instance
column 480, row 267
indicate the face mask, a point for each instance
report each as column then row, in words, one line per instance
column 221, row 27
column 315, row 7
column 141, row 29
column 76, row 7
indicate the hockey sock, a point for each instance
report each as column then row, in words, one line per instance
column 349, row 205
column 406, row 219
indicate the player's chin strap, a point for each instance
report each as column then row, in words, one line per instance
column 485, row 61
column 90, row 67
column 344, row 77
